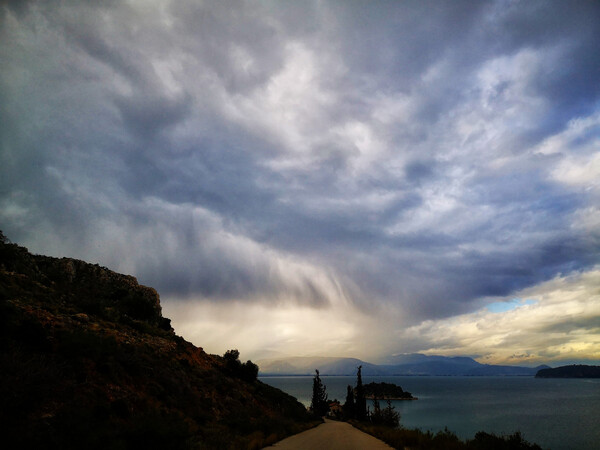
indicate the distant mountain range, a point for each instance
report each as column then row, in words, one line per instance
column 410, row 364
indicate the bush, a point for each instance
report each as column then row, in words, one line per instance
column 401, row 438
column 489, row 441
column 247, row 371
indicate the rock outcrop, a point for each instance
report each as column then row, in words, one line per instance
column 91, row 288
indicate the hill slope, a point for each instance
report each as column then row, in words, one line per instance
column 88, row 361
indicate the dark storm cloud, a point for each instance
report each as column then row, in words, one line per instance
column 83, row 31
column 237, row 151
column 146, row 116
column 395, row 45
column 567, row 83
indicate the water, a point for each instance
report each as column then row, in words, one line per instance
column 557, row 414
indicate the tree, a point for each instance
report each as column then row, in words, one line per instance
column 361, row 401
column 231, row 356
column 319, row 404
column 376, row 416
column 247, row 371
column 389, row 415
column 349, row 404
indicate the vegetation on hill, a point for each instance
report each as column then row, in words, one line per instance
column 572, row 371
column 415, row 439
column 88, row 361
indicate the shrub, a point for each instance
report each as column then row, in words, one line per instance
column 247, row 371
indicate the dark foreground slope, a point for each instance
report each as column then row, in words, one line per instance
column 88, row 361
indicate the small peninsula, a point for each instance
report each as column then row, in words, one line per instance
column 572, row 371
column 386, row 391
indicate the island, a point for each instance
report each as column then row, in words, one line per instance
column 572, row 371
column 386, row 391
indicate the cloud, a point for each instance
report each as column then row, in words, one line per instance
column 261, row 330
column 559, row 320
column 409, row 158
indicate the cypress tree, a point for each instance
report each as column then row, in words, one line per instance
column 319, row 404
column 349, row 405
column 361, row 401
column 376, row 416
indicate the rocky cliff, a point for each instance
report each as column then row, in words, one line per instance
column 88, row 361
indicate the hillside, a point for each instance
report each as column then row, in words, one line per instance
column 571, row 371
column 413, row 364
column 88, row 361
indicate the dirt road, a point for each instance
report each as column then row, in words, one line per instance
column 331, row 435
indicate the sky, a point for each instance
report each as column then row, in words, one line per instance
column 333, row 178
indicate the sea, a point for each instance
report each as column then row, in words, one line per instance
column 557, row 414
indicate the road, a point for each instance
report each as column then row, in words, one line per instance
column 331, row 435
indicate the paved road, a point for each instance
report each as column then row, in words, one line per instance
column 331, row 435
